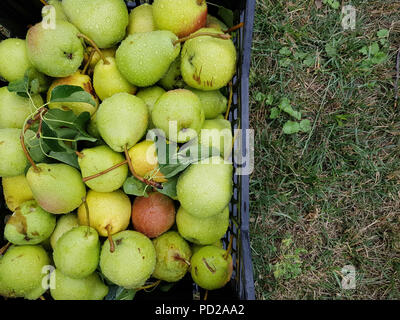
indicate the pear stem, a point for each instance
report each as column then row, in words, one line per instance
column 229, row 100
column 42, row 298
column 229, row 249
column 4, row 249
column 44, row 2
column 154, row 284
column 104, row 171
column 200, row 34
column 79, row 154
column 87, row 214
column 234, row 28
column 88, row 62
column 110, row 239
column 205, row 295
column 178, row 257
column 94, row 45
column 148, row 182
column 200, row 2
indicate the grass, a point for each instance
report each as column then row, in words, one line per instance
column 329, row 197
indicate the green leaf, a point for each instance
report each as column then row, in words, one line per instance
column 135, row 187
column 378, row 58
column 65, row 157
column 374, row 48
column 275, row 112
column 20, row 87
column 364, row 50
column 120, row 293
column 285, row 51
column 226, row 16
column 330, row 50
column 299, row 55
column 285, row 62
column 167, row 286
column 169, row 187
column 270, row 99
column 309, row 61
column 285, row 106
column 383, row 33
column 259, row 96
column 67, row 93
column 305, row 125
column 291, row 127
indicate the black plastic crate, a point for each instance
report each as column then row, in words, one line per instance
column 15, row 18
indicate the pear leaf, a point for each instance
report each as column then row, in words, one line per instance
column 169, row 187
column 20, row 87
column 65, row 157
column 135, row 187
column 68, row 93
column 226, row 16
column 120, row 293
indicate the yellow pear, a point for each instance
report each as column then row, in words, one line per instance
column 107, row 80
column 109, row 212
column 76, row 79
column 110, row 52
column 145, row 162
column 141, row 19
column 16, row 191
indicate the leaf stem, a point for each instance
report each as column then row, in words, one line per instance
column 104, row 171
column 200, row 34
column 148, row 182
column 94, row 45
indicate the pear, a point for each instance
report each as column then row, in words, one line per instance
column 144, row 160
column 203, row 231
column 57, row 4
column 153, row 52
column 211, row 267
column 182, row 17
column 122, row 120
column 109, row 52
column 15, row 109
column 88, row 288
column 132, row 262
column 12, row 157
column 104, row 22
column 65, row 223
column 77, row 251
column 205, row 188
column 215, row 23
column 29, row 224
column 179, row 114
column 107, row 80
column 21, row 271
column 217, row 133
column 173, row 256
column 13, row 59
column 208, row 63
column 57, row 187
column 150, row 95
column 109, row 212
column 56, row 52
column 141, row 19
column 153, row 215
column 98, row 159
column 16, row 191
column 213, row 102
column 172, row 79
column 197, row 247
column 92, row 127
column 76, row 79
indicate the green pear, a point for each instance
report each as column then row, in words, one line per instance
column 179, row 114
column 16, row 191
column 173, row 256
column 109, row 212
column 57, row 52
column 211, row 267
column 13, row 59
column 12, row 157
column 213, row 22
column 150, row 95
column 21, row 272
column 204, row 231
column 122, row 120
column 153, row 52
column 182, row 17
column 197, row 247
column 205, row 188
column 92, row 127
column 141, row 19
column 57, row 4
column 29, row 224
column 98, row 159
column 213, row 102
column 220, row 116
column 57, row 187
column 65, row 223
column 208, row 63
column 80, row 80
column 107, row 80
column 217, row 133
column 109, row 52
column 104, row 22
column 77, row 252
column 88, row 288
column 132, row 262
column 172, row 79
column 15, row 109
